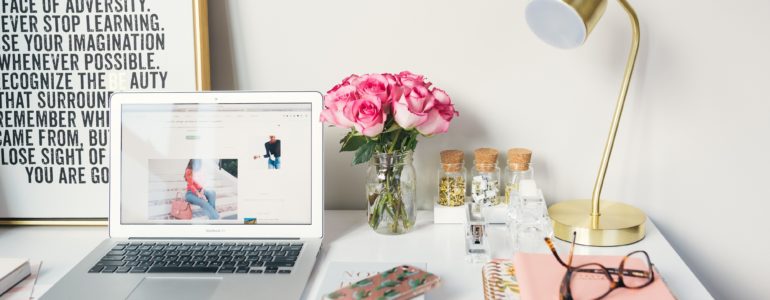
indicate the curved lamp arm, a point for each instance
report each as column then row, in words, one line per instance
column 596, row 195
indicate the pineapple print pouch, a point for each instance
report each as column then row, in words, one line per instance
column 399, row 283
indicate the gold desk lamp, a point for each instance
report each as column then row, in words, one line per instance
column 567, row 24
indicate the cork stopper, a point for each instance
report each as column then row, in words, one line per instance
column 486, row 159
column 452, row 160
column 519, row 158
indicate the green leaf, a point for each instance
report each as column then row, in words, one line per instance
column 414, row 283
column 364, row 153
column 388, row 272
column 411, row 143
column 361, row 294
column 387, row 284
column 390, row 293
column 335, row 295
column 362, row 283
column 353, row 142
column 347, row 136
column 392, row 128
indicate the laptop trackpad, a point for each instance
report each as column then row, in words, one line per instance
column 199, row 288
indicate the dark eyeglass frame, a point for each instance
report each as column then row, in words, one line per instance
column 565, row 291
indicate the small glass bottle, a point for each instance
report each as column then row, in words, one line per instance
column 451, row 178
column 519, row 168
column 485, row 178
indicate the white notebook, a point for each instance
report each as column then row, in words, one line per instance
column 12, row 271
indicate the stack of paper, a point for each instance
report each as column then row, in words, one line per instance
column 12, row 271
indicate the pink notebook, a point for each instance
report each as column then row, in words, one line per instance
column 540, row 276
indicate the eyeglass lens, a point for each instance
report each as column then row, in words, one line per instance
column 590, row 282
column 638, row 270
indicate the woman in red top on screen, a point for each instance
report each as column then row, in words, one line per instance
column 196, row 194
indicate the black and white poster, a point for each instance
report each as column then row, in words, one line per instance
column 59, row 62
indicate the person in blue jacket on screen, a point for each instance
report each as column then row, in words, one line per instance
column 272, row 153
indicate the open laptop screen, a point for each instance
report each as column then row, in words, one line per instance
column 229, row 163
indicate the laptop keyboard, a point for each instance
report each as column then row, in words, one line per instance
column 200, row 257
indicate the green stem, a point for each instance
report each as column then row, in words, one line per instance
column 405, row 220
column 390, row 199
column 374, row 218
column 395, row 141
column 383, row 202
column 386, row 200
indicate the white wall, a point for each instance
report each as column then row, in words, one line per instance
column 693, row 145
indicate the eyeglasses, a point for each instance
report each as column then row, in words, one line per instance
column 595, row 281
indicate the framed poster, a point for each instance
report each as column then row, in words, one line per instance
column 60, row 60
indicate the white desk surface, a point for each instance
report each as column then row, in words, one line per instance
column 348, row 238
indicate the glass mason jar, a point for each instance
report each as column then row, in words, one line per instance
column 515, row 173
column 485, row 183
column 451, row 184
column 391, row 191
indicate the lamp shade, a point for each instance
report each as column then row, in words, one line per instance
column 564, row 23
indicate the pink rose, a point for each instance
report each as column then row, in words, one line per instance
column 373, row 84
column 344, row 82
column 336, row 101
column 367, row 114
column 349, row 79
column 413, row 106
column 414, row 77
column 438, row 118
column 394, row 88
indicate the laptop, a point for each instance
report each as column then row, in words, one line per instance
column 213, row 196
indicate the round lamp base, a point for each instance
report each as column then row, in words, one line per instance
column 619, row 224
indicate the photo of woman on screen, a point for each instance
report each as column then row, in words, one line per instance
column 196, row 194
column 272, row 153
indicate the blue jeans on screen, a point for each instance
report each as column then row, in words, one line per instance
column 274, row 163
column 209, row 207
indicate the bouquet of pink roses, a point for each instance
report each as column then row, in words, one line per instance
column 385, row 114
